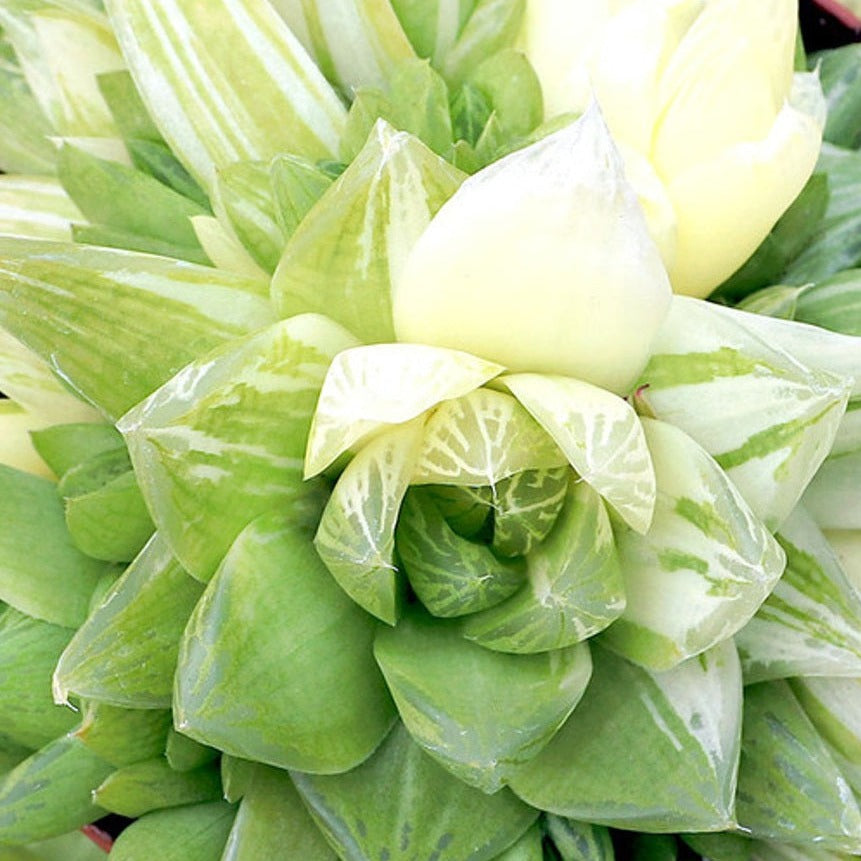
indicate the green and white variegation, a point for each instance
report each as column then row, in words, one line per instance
column 36, row 207
column 811, row 623
column 765, row 417
column 703, row 568
column 600, row 435
column 480, row 439
column 367, row 388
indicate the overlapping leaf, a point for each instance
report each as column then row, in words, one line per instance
column 442, row 685
column 706, row 551
column 680, row 733
column 223, row 441
column 263, row 673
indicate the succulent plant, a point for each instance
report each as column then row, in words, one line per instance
column 367, row 491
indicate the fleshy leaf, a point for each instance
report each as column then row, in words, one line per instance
column 185, row 754
column 297, row 185
column 765, row 417
column 834, row 708
column 465, row 509
column 348, row 252
column 833, row 304
column 574, row 587
column 356, row 535
column 215, row 95
column 110, row 194
column 64, row 446
column 811, row 622
column 840, row 73
column 529, row 847
column 789, row 788
column 367, row 388
column 123, row 736
column 263, row 673
column 272, row 817
column 680, row 733
column 125, row 653
column 832, row 495
column 42, row 573
column 525, row 507
column 431, row 811
column 28, row 380
column 90, row 311
column 194, row 832
column 579, row 841
column 451, row 575
column 29, row 650
column 601, row 437
column 245, row 197
column 376, row 42
column 153, row 785
column 480, row 439
column 50, row 793
column 442, row 684
column 706, row 552
column 36, row 207
column 227, row 435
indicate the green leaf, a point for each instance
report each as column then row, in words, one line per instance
column 50, row 793
column 195, row 832
column 492, row 26
column 512, row 90
column 704, row 567
column 789, row 788
column 722, row 847
column 600, row 435
column 297, row 185
column 126, row 106
column 227, row 436
column 480, row 439
column 263, row 673
column 28, row 380
column 112, row 522
column 470, row 111
column 433, row 25
column 157, row 160
column 75, row 846
column 451, row 575
column 367, row 56
column 42, row 573
column 65, row 446
column 106, row 237
column 89, row 312
column 432, row 814
column 35, row 207
column 777, row 301
column 767, row 415
column 121, row 736
column 574, row 587
column 110, row 194
column 236, row 776
column 272, row 818
column 653, row 847
column 811, row 622
column 214, row 95
column 526, row 506
column 579, row 841
column 244, row 196
column 835, row 244
column 356, row 535
column 153, row 785
column 125, row 653
column 527, row 848
column 834, row 708
column 348, row 252
column 787, row 240
column 185, row 754
column 29, row 650
column 831, row 497
column 25, row 146
column 443, row 685
column 465, row 509
column 368, row 388
column 833, row 304
column 840, row 74
column 679, row 731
